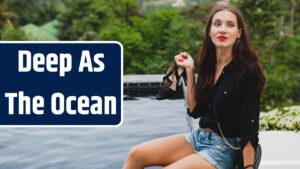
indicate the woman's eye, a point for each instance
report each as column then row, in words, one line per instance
column 230, row 25
column 217, row 23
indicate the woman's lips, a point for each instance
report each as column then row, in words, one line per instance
column 222, row 38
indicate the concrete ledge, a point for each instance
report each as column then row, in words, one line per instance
column 280, row 150
column 142, row 85
column 151, row 78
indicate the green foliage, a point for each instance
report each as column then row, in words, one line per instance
column 13, row 34
column 47, row 32
column 198, row 12
column 34, row 11
column 134, row 47
column 282, row 67
column 287, row 118
column 5, row 19
column 85, row 17
column 166, row 33
column 151, row 41
column 51, row 27
column 81, row 17
column 264, row 16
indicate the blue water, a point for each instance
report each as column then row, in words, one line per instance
column 91, row 148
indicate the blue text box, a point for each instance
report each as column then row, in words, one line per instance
column 88, row 94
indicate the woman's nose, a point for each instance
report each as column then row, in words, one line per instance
column 223, row 28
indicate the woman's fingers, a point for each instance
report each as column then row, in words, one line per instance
column 185, row 55
column 178, row 60
column 184, row 60
column 182, row 56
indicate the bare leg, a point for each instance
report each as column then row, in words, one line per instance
column 194, row 161
column 159, row 152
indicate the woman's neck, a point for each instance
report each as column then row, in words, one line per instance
column 224, row 55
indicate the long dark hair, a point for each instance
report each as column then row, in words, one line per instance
column 243, row 53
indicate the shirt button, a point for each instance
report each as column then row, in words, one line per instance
column 252, row 120
column 223, row 72
column 225, row 92
column 209, row 105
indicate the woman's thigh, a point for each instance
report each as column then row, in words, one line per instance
column 193, row 161
column 163, row 151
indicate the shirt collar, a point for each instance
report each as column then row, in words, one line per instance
column 231, row 65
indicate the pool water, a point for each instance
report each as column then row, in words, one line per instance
column 92, row 148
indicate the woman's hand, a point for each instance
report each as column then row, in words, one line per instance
column 184, row 60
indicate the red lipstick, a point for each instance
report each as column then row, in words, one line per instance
column 222, row 38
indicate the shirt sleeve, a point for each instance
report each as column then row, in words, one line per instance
column 197, row 112
column 250, row 110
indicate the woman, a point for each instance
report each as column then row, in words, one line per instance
column 226, row 97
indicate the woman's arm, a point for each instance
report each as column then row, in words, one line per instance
column 248, row 154
column 191, row 101
column 249, row 117
column 186, row 61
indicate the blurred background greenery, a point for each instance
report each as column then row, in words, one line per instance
column 153, row 31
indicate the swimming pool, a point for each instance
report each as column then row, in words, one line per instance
column 91, row 148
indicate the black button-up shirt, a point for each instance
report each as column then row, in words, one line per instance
column 236, row 102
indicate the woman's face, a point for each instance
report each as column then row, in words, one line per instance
column 224, row 29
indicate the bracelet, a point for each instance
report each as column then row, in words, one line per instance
column 247, row 166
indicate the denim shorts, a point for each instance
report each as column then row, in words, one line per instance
column 213, row 148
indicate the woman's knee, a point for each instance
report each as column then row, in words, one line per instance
column 137, row 154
